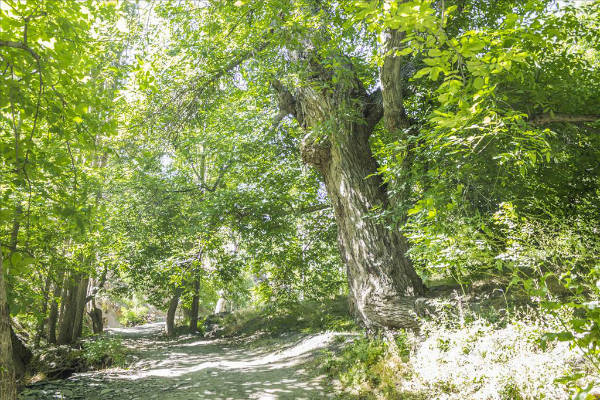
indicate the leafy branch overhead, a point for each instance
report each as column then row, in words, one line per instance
column 411, row 160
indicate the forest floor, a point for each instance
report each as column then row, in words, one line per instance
column 191, row 367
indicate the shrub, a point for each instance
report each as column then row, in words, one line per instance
column 104, row 352
column 133, row 316
column 370, row 366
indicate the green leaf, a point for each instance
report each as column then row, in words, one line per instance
column 478, row 83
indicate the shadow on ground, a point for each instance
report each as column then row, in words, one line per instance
column 194, row 368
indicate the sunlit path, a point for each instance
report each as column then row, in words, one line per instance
column 193, row 368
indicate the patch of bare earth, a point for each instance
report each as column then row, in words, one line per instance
column 194, row 368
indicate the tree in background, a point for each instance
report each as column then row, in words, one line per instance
column 8, row 381
column 55, row 112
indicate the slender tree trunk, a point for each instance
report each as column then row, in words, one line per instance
column 96, row 313
column 8, row 383
column 14, row 234
column 96, row 316
column 195, row 306
column 170, row 323
column 395, row 73
column 69, row 303
column 80, row 308
column 381, row 278
column 53, row 315
column 43, row 317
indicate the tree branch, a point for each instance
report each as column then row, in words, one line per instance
column 197, row 92
column 374, row 111
column 286, row 102
column 217, row 182
column 22, row 46
column 544, row 119
column 312, row 209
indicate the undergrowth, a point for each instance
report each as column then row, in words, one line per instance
column 305, row 317
column 505, row 359
column 104, row 352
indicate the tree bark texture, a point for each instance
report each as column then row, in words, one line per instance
column 339, row 121
column 394, row 77
column 195, row 307
column 173, row 303
column 69, row 310
column 8, row 383
column 80, row 302
column 53, row 314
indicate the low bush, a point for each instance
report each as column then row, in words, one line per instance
column 370, row 368
column 134, row 316
column 104, row 352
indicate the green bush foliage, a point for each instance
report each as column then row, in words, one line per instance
column 370, row 367
column 104, row 352
column 134, row 316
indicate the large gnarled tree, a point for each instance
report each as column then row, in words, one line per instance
column 339, row 116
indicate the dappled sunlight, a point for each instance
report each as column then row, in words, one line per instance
column 215, row 369
column 137, row 331
column 179, row 363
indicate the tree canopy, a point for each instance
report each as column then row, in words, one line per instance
column 279, row 151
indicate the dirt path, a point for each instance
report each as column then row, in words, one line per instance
column 195, row 368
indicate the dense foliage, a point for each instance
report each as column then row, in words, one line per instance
column 146, row 147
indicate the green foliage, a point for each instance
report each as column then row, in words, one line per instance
column 133, row 316
column 510, row 391
column 499, row 183
column 355, row 366
column 58, row 83
column 558, row 265
column 137, row 143
column 370, row 369
column 306, row 316
column 104, row 352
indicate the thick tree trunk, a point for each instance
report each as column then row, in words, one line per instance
column 69, row 310
column 380, row 275
column 339, row 120
column 8, row 383
column 53, row 315
column 170, row 323
column 195, row 307
column 21, row 354
column 80, row 308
